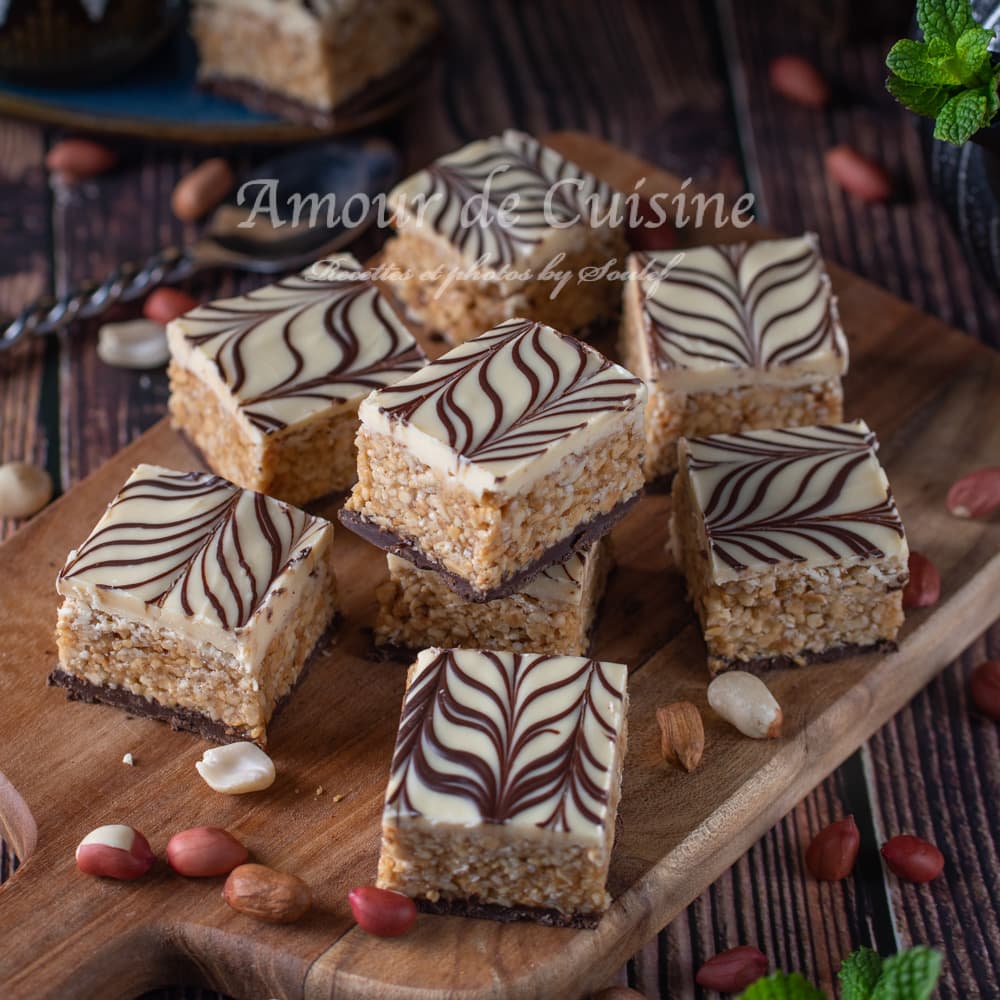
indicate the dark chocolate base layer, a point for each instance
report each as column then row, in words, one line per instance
column 764, row 663
column 78, row 689
column 406, row 548
column 472, row 907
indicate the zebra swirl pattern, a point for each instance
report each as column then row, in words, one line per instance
column 498, row 200
column 812, row 495
column 193, row 546
column 509, row 738
column 756, row 306
column 500, row 402
column 308, row 342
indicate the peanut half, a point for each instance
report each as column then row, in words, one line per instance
column 682, row 735
column 115, row 851
column 137, row 343
column 265, row 894
column 745, row 702
column 236, row 768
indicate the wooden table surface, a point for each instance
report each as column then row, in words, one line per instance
column 685, row 85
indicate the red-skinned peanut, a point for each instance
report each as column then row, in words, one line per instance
column 733, row 970
column 833, row 851
column 984, row 686
column 204, row 851
column 115, row 851
column 382, row 912
column 166, row 304
column 924, row 586
column 912, row 859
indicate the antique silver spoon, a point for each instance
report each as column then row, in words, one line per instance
column 278, row 241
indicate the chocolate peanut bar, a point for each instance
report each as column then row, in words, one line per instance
column 196, row 602
column 732, row 338
column 304, row 55
column 267, row 385
column 466, row 259
column 505, row 784
column 791, row 544
column 555, row 613
column 498, row 459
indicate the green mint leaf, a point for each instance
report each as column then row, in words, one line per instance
column 782, row 986
column 910, row 975
column 945, row 19
column 921, row 100
column 911, row 61
column 992, row 91
column 961, row 116
column 859, row 974
column 973, row 53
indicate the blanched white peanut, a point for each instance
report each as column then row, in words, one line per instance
column 139, row 343
column 745, row 702
column 236, row 768
column 24, row 489
column 114, row 851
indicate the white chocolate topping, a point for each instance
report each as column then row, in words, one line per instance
column 311, row 343
column 509, row 739
column 814, row 496
column 503, row 410
column 716, row 317
column 196, row 554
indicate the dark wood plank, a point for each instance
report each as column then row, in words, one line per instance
column 24, row 257
column 906, row 245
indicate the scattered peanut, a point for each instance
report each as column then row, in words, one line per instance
column 733, row 970
column 745, row 702
column 236, row 768
column 984, row 686
column 648, row 231
column 265, row 894
column 165, row 304
column 382, row 912
column 682, row 735
column 128, row 760
column 198, row 192
column 115, row 851
column 203, row 851
column 74, row 160
column 976, row 494
column 912, row 859
column 24, row 489
column 858, row 175
column 138, row 343
column 833, row 851
column 799, row 80
column 924, row 586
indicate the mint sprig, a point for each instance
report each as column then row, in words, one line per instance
column 859, row 974
column 950, row 75
column 782, row 986
column 910, row 975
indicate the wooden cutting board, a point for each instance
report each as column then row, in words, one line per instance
column 932, row 395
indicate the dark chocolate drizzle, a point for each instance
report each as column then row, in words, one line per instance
column 350, row 311
column 563, row 383
column 730, row 329
column 215, row 557
column 564, row 779
column 759, row 506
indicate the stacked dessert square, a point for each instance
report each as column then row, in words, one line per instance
column 509, row 456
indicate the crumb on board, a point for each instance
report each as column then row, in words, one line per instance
column 129, row 760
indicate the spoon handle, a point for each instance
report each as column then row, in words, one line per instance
column 127, row 282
